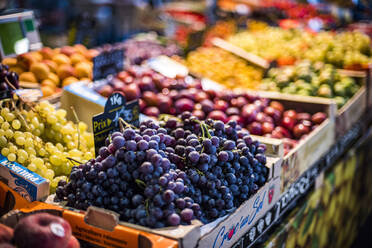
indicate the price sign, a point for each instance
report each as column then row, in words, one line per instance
column 108, row 122
column 108, row 63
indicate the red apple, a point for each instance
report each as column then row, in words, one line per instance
column 42, row 230
column 207, row 106
column 221, row 105
column 290, row 113
column 261, row 117
column 184, row 104
column 131, row 92
column 276, row 134
column 106, row 90
column 232, row 111
column 165, row 103
column 150, row 98
column 249, row 113
column 123, row 75
column 255, row 128
column 117, row 84
column 267, row 127
column 318, row 118
column 151, row 111
column 199, row 114
column 200, row 96
column 288, row 123
column 277, row 105
column 146, row 84
column 128, row 80
column 283, row 131
column 218, row 115
column 303, row 116
column 299, row 130
column 212, row 93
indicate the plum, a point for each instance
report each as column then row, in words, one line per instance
column 239, row 102
column 42, row 230
column 236, row 118
column 200, row 96
column 283, row 131
column 165, row 103
column 146, row 84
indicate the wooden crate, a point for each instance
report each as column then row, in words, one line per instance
column 310, row 149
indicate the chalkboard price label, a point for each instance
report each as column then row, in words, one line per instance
column 108, row 63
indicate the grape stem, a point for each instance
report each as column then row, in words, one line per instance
column 77, row 125
column 73, row 160
column 166, row 117
column 127, row 124
column 140, row 183
column 147, row 206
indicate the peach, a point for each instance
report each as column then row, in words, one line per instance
column 53, row 77
column 65, row 71
column 42, row 230
column 69, row 80
column 61, row 59
column 77, row 58
column 80, row 48
column 9, row 61
column 47, row 53
column 47, row 91
column 50, row 83
column 16, row 69
column 83, row 69
column 27, row 77
column 40, row 70
column 25, row 60
column 37, row 56
column 91, row 53
column 51, row 64
column 67, row 50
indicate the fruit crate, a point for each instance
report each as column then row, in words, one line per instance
column 309, row 149
column 93, row 229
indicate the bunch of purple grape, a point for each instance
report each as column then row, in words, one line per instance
column 11, row 76
column 171, row 173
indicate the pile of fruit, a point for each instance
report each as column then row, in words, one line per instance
column 38, row 230
column 311, row 79
column 222, row 29
column 349, row 50
column 40, row 138
column 171, row 173
column 224, row 68
column 51, row 69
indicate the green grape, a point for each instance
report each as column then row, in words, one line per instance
column 32, row 167
column 13, row 148
column 1, row 120
column 31, row 150
column 55, row 160
column 35, row 122
column 5, row 151
column 3, row 141
column 9, row 117
column 4, row 112
column 38, row 162
column 12, row 157
column 5, row 126
column 29, row 142
column 22, row 154
column 9, row 133
column 42, row 152
column 20, row 141
column 16, row 124
column 52, row 119
column 49, row 174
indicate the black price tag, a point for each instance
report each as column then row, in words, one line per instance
column 108, row 63
column 6, row 94
column 108, row 122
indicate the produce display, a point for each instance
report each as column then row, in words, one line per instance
column 222, row 29
column 51, row 69
column 40, row 138
column 38, row 230
column 311, row 79
column 160, row 95
column 349, row 50
column 223, row 67
column 171, row 173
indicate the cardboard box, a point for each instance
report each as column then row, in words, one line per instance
column 28, row 184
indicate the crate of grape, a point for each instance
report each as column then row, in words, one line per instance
column 181, row 178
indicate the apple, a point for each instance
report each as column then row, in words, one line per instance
column 146, row 84
column 303, row 116
column 42, row 230
column 165, row 103
column 299, row 130
column 131, row 92
column 249, row 113
column 290, row 113
column 232, row 111
column 288, row 123
column 255, row 128
column 277, row 105
column 199, row 114
column 106, row 90
column 150, row 98
column 207, row 106
column 267, row 127
column 151, row 111
column 221, row 105
column 184, row 104
column 218, row 115
column 318, row 118
column 283, row 131
column 200, row 96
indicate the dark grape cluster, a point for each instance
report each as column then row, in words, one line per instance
column 11, row 76
column 170, row 173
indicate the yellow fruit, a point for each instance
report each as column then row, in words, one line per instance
column 77, row 58
column 69, row 80
column 65, row 71
column 80, row 48
column 51, row 64
column 16, row 69
column 91, row 53
column 52, row 76
column 47, row 91
column 83, row 69
column 28, row 77
column 50, row 83
column 10, row 61
column 25, row 60
column 47, row 53
column 38, row 57
column 40, row 70
column 67, row 50
column 61, row 59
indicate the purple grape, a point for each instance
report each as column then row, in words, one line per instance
column 142, row 145
column 174, row 219
column 146, row 168
column 194, row 157
column 187, row 214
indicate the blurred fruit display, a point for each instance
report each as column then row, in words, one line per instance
column 223, row 67
column 222, row 29
column 348, row 50
column 311, row 79
column 52, row 69
column 333, row 212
